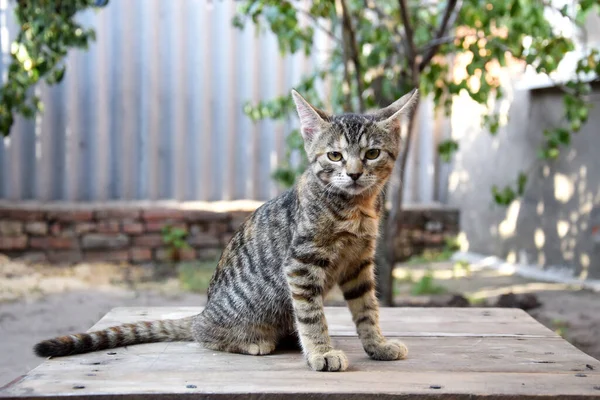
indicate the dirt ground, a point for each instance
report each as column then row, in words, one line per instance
column 38, row 302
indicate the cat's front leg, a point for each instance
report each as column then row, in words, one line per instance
column 306, row 275
column 358, row 286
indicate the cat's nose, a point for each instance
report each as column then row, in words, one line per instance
column 354, row 176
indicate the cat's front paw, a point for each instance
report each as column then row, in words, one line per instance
column 333, row 360
column 387, row 351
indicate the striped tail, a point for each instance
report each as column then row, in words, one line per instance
column 117, row 336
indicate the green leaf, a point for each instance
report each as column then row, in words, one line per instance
column 46, row 33
column 564, row 136
column 446, row 149
column 493, row 31
column 552, row 153
column 26, row 111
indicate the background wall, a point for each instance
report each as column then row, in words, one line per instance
column 557, row 221
column 133, row 231
column 154, row 110
column 556, row 224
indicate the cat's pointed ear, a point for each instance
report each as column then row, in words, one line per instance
column 312, row 120
column 394, row 116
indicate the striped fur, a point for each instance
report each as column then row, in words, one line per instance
column 117, row 336
column 272, row 277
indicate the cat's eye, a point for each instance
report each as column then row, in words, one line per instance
column 372, row 154
column 334, row 156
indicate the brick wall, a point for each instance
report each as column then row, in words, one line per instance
column 69, row 233
column 425, row 227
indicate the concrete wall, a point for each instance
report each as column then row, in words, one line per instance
column 554, row 223
column 557, row 222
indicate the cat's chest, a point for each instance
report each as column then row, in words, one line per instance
column 348, row 237
column 361, row 222
column 363, row 228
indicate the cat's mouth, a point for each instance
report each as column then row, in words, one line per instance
column 352, row 187
column 355, row 187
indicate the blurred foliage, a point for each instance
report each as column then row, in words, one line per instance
column 561, row 327
column 506, row 195
column 429, row 256
column 47, row 31
column 195, row 276
column 384, row 48
column 427, row 286
column 461, row 268
column 175, row 239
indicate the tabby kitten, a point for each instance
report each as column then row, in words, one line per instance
column 272, row 277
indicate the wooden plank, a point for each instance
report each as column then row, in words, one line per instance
column 280, row 384
column 213, row 374
column 426, row 355
column 394, row 321
column 468, row 367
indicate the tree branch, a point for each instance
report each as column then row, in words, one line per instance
column 448, row 15
column 370, row 5
column 443, row 40
column 409, row 42
column 347, row 106
column 346, row 91
column 350, row 37
column 397, row 195
column 315, row 21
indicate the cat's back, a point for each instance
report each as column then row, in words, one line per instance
column 276, row 217
column 271, row 226
column 257, row 249
column 249, row 284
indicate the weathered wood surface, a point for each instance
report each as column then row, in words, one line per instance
column 454, row 354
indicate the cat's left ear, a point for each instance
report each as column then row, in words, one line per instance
column 399, row 113
column 312, row 120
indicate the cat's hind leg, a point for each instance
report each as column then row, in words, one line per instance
column 261, row 348
column 241, row 339
column 253, row 348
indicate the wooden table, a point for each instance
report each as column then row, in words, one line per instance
column 462, row 353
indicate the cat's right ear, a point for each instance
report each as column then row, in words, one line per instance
column 399, row 113
column 312, row 120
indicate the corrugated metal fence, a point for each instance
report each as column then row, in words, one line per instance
column 153, row 110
